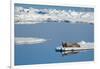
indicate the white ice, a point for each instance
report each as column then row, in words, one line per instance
column 29, row 40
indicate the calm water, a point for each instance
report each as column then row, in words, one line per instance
column 56, row 33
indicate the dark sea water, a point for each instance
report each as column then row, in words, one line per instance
column 55, row 33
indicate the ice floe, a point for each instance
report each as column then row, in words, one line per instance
column 29, row 40
column 84, row 44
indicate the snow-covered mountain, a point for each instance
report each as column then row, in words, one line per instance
column 33, row 16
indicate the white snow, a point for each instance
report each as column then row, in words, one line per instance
column 31, row 15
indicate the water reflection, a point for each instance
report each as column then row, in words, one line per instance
column 63, row 53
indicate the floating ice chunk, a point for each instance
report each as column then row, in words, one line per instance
column 84, row 44
column 29, row 40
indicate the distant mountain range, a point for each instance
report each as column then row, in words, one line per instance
column 33, row 16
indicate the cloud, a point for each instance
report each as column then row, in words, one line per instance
column 29, row 40
column 33, row 16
